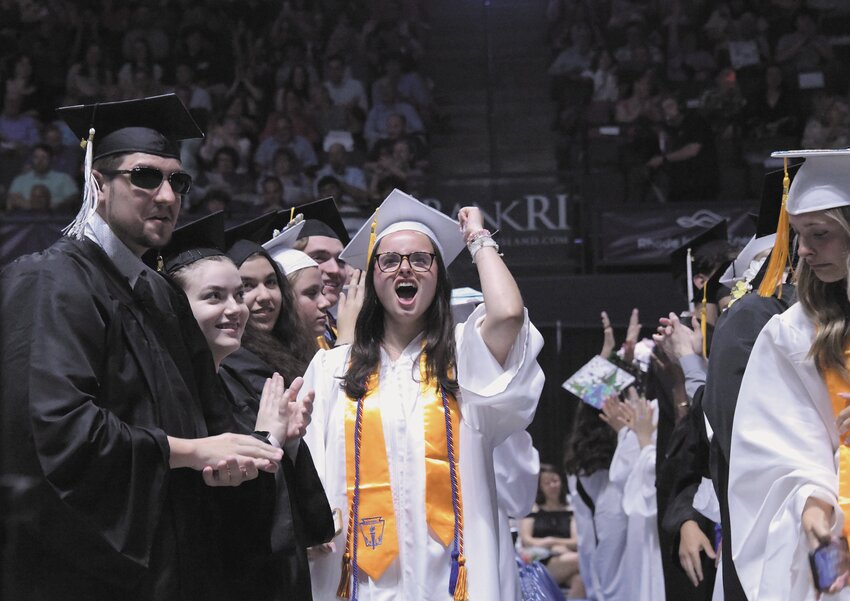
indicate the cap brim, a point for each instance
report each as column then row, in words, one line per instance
column 399, row 207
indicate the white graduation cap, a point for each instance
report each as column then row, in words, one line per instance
column 736, row 269
column 291, row 260
column 280, row 249
column 400, row 212
column 823, row 181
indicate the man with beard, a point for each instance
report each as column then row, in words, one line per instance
column 109, row 404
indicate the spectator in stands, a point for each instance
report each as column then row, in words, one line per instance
column 17, row 130
column 215, row 200
column 390, row 104
column 775, row 111
column 283, row 137
column 804, row 49
column 285, row 167
column 140, row 60
column 228, row 134
column 352, row 180
column 723, row 105
column 90, row 79
column 288, row 102
column 397, row 162
column 603, row 72
column 688, row 160
column 409, row 85
column 144, row 27
column 641, row 103
column 272, row 195
column 637, row 55
column 829, row 126
column 199, row 98
column 577, row 57
column 299, row 82
column 66, row 157
column 249, row 91
column 224, row 175
column 62, row 188
column 344, row 91
column 18, row 80
column 325, row 114
column 687, row 59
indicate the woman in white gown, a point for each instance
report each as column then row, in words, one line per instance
column 786, row 455
column 383, row 442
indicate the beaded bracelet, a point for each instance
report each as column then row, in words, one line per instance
column 479, row 234
column 479, row 243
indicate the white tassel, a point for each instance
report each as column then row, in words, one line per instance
column 76, row 228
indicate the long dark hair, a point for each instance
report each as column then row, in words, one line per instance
column 369, row 333
column 546, row 468
column 287, row 347
column 591, row 444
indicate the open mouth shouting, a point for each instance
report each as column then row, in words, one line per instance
column 406, row 292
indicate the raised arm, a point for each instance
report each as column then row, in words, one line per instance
column 502, row 299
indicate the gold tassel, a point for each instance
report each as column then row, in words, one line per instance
column 372, row 235
column 461, row 586
column 703, row 321
column 291, row 214
column 779, row 255
column 343, row 591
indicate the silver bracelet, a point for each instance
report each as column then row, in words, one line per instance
column 479, row 243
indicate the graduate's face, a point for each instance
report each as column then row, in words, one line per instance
column 325, row 250
column 142, row 219
column 262, row 293
column 823, row 245
column 311, row 304
column 214, row 289
column 406, row 294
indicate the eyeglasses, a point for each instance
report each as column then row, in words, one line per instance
column 150, row 178
column 418, row 261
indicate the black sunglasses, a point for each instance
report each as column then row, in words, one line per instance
column 150, row 178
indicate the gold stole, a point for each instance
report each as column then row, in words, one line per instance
column 371, row 521
column 835, row 383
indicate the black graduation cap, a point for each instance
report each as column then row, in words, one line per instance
column 151, row 125
column 709, row 242
column 322, row 218
column 771, row 200
column 714, row 290
column 244, row 240
column 195, row 241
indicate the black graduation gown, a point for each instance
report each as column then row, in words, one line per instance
column 686, row 463
column 734, row 337
column 93, row 378
column 302, row 516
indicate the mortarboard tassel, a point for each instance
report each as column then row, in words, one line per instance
column 703, row 321
column 291, row 214
column 372, row 235
column 76, row 228
column 779, row 255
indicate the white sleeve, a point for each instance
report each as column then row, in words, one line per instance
column 498, row 400
column 783, row 452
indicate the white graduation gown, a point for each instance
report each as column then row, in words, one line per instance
column 600, row 549
column 634, row 469
column 517, row 466
column 784, row 450
column 494, row 403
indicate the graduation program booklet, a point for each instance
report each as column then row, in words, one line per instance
column 597, row 380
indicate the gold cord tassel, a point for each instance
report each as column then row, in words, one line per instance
column 291, row 214
column 372, row 235
column 703, row 321
column 461, row 593
column 343, row 590
column 779, row 255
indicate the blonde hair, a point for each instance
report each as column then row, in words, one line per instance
column 828, row 304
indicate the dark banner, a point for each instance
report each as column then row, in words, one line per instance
column 538, row 222
column 646, row 235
